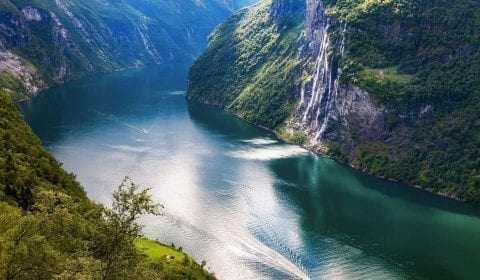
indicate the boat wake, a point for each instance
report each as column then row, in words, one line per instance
column 117, row 120
column 244, row 246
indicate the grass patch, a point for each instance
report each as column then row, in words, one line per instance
column 384, row 76
column 385, row 84
column 181, row 266
column 155, row 250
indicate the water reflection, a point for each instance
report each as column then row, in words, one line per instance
column 253, row 207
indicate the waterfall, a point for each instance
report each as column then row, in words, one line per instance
column 318, row 95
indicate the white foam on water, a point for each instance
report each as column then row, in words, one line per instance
column 140, row 129
column 253, row 249
column 269, row 152
column 127, row 148
column 116, row 119
column 177, row 92
column 260, row 141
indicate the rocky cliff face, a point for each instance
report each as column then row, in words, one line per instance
column 281, row 8
column 17, row 67
column 327, row 109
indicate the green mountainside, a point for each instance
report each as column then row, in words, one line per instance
column 46, row 42
column 247, row 64
column 408, row 72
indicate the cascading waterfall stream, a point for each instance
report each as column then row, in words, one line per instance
column 319, row 95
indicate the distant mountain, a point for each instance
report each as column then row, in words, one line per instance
column 45, row 42
column 389, row 87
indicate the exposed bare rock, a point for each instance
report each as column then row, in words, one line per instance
column 147, row 43
column 31, row 14
column 59, row 28
column 329, row 111
column 76, row 22
column 358, row 111
column 60, row 73
column 26, row 73
column 283, row 8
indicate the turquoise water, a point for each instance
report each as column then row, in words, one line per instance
column 252, row 206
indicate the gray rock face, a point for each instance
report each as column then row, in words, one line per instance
column 21, row 70
column 358, row 111
column 314, row 21
column 58, row 28
column 328, row 110
column 31, row 14
column 284, row 7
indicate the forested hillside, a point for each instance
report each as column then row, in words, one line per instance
column 46, row 42
column 247, row 64
column 390, row 87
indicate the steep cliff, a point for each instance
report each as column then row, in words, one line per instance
column 48, row 42
column 390, row 87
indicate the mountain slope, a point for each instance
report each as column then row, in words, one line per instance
column 48, row 42
column 390, row 87
column 259, row 59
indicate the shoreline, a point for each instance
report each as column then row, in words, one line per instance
column 30, row 95
column 273, row 131
column 316, row 152
column 364, row 171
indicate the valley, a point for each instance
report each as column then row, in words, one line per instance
column 238, row 197
column 276, row 140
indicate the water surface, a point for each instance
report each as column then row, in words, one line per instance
column 252, row 206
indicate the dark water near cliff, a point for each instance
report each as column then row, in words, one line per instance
column 253, row 207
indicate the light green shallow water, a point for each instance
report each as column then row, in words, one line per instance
column 252, row 206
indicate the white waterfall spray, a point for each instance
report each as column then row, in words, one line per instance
column 318, row 96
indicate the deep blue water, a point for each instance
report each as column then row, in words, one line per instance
column 252, row 206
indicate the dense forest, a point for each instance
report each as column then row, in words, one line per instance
column 418, row 60
column 411, row 55
column 49, row 229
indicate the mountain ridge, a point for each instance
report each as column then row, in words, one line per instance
column 43, row 43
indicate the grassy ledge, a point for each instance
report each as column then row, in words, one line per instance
column 176, row 263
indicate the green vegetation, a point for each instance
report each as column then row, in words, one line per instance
column 385, row 83
column 173, row 259
column 412, row 55
column 26, row 168
column 421, row 42
column 291, row 135
column 418, row 59
column 49, row 229
column 71, row 39
column 12, row 85
column 250, row 65
column 157, row 251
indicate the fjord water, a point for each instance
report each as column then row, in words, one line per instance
column 234, row 195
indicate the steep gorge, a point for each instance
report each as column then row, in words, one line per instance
column 365, row 82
